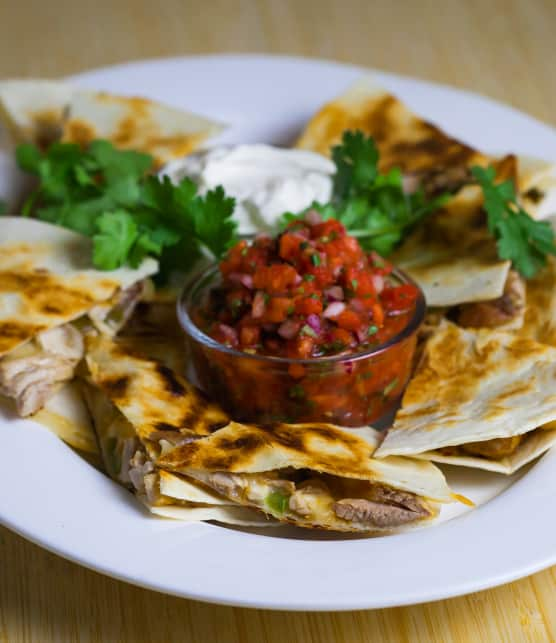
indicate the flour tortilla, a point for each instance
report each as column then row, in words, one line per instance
column 66, row 415
column 537, row 186
column 47, row 279
column 540, row 311
column 45, row 111
column 137, row 124
column 159, row 403
column 34, row 110
column 169, row 495
column 261, row 459
column 474, row 386
column 404, row 139
column 534, row 445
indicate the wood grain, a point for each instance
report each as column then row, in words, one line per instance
column 502, row 48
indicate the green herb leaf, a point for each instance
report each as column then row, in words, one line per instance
column 116, row 235
column 519, row 238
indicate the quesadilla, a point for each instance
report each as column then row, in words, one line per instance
column 129, row 450
column 420, row 149
column 159, row 402
column 47, row 285
column 136, row 124
column 46, row 111
column 313, row 475
column 34, row 110
column 479, row 398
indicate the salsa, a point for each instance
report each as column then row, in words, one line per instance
column 315, row 299
column 310, row 292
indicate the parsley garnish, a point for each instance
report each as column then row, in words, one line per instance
column 107, row 194
column 315, row 260
column 519, row 238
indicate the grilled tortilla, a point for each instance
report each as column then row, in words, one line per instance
column 137, row 124
column 158, row 402
column 45, row 111
column 313, row 475
column 47, row 286
column 129, row 451
column 405, row 140
column 478, row 398
column 46, row 279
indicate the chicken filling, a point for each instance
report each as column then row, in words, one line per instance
column 32, row 373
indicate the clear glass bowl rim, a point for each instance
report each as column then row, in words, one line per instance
column 195, row 333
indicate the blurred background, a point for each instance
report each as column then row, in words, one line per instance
column 502, row 48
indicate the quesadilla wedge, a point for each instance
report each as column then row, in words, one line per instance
column 160, row 404
column 46, row 111
column 46, row 285
column 419, row 148
column 313, row 475
column 129, row 450
column 135, row 123
column 478, row 398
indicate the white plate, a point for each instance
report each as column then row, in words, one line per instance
column 50, row 496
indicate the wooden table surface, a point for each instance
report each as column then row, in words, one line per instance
column 502, row 48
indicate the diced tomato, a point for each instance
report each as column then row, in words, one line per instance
column 308, row 306
column 278, row 309
column 400, row 298
column 232, row 261
column 329, row 230
column 342, row 336
column 349, row 320
column 290, row 246
column 249, row 335
column 378, row 314
column 275, row 279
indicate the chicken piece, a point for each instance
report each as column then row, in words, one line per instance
column 307, row 495
column 140, row 466
column 33, row 373
column 31, row 381
column 495, row 449
column 376, row 514
column 504, row 311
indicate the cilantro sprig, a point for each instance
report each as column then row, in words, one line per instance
column 107, row 194
column 373, row 206
column 519, row 238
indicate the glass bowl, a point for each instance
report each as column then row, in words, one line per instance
column 349, row 390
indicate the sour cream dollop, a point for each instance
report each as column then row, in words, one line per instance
column 266, row 181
